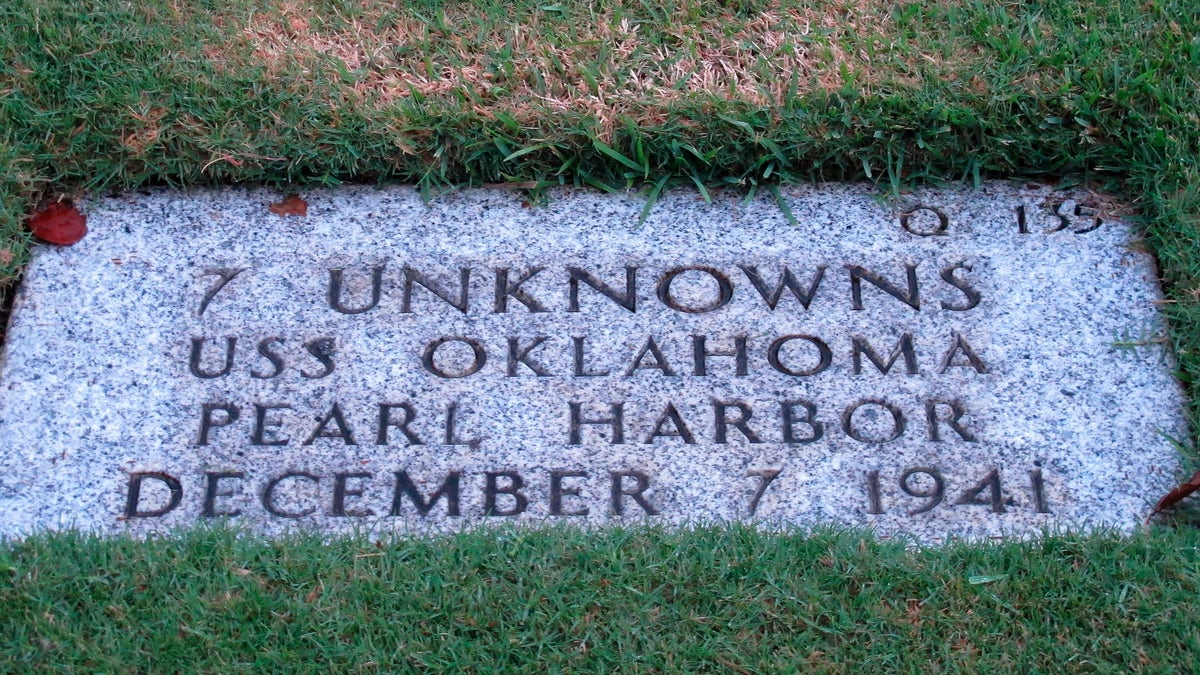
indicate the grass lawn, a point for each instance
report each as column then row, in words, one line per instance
column 115, row 94
column 726, row 600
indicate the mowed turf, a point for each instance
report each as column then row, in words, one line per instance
column 739, row 94
column 709, row 600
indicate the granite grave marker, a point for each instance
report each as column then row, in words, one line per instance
column 960, row 363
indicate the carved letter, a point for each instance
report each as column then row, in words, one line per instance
column 660, row 362
column 504, row 289
column 857, row 274
column 133, row 498
column 789, row 422
column 515, row 483
column 898, row 422
column 700, row 354
column 194, row 361
column 618, row 491
column 860, row 348
column 720, row 410
column 264, row 348
column 342, row 431
column 212, row 491
column 412, row 276
column 261, row 424
column 340, row 492
column 207, row 422
column 448, row 490
column 973, row 296
column 451, row 437
column 616, row 410
column 956, row 413
column 557, row 492
column 824, row 355
column 385, row 421
column 518, row 355
column 335, row 291
column 628, row 301
column 268, row 495
column 478, row 353
column 960, row 345
column 680, row 429
column 322, row 349
column 772, row 296
column 580, row 369
column 724, row 290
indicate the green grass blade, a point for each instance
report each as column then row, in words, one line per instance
column 610, row 152
column 651, row 198
column 701, row 187
column 783, row 206
column 525, row 151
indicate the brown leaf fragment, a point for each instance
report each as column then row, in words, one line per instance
column 58, row 223
column 1175, row 496
column 292, row 205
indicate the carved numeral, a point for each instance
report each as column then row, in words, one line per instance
column 995, row 496
column 934, row 493
column 875, row 502
column 224, row 276
column 1038, row 488
column 765, row 477
column 928, row 485
column 1064, row 222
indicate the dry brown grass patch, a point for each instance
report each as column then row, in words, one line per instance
column 146, row 133
column 605, row 65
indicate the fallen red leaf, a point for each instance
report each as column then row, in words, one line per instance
column 59, row 223
column 292, row 205
column 1175, row 496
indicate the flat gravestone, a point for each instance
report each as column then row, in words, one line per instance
column 961, row 363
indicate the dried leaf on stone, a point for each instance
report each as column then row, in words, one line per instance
column 292, row 205
column 1175, row 496
column 58, row 223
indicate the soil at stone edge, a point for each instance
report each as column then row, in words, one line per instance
column 8, row 294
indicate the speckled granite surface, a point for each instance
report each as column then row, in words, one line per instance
column 197, row 357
